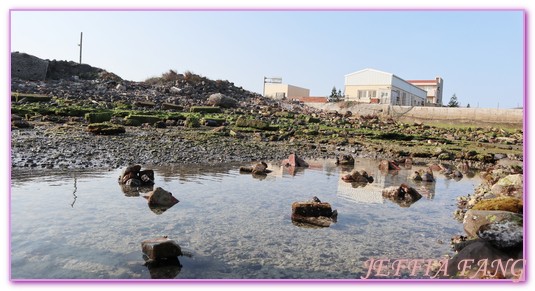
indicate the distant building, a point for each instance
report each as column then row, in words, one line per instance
column 281, row 91
column 374, row 86
column 434, row 89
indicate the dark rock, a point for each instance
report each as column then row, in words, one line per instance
column 160, row 248
column 313, row 213
column 403, row 195
column 161, row 198
column 504, row 234
column 415, row 176
column 477, row 251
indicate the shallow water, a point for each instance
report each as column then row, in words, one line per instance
column 80, row 225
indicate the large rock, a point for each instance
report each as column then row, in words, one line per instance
column 105, row 128
column 500, row 203
column 162, row 198
column 28, row 67
column 345, row 160
column 221, row 100
column 313, row 213
column 511, row 185
column 403, row 195
column 504, row 234
column 474, row 219
column 161, row 248
column 477, row 251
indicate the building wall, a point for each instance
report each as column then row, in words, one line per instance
column 372, row 86
column 279, row 91
column 473, row 116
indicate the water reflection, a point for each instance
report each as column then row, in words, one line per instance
column 167, row 268
column 132, row 191
column 74, row 192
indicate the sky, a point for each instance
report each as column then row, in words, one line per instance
column 479, row 54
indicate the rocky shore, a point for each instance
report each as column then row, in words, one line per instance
column 98, row 120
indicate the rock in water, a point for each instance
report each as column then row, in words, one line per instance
column 161, row 248
column 313, row 213
column 160, row 197
column 403, row 195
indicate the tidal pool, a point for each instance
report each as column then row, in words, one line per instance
column 81, row 225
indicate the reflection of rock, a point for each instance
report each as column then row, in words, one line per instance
column 314, row 213
column 403, row 195
column 160, row 200
column 345, row 160
column 160, row 248
column 428, row 176
column 131, row 191
column 167, row 268
column 294, row 170
column 294, row 161
column 361, row 177
column 415, row 176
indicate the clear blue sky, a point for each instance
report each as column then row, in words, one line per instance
column 479, row 54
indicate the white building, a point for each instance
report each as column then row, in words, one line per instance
column 281, row 91
column 374, row 86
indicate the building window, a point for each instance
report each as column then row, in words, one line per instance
column 361, row 94
column 372, row 94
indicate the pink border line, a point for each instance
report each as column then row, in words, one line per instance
column 522, row 281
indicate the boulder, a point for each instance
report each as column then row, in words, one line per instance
column 221, row 100
column 160, row 248
column 500, row 203
column 403, row 195
column 161, row 198
column 294, row 161
column 504, row 234
column 511, row 185
column 314, row 213
column 474, row 219
column 477, row 250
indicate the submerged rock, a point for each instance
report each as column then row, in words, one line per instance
column 166, row 268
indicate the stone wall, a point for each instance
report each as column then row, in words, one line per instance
column 513, row 117
column 28, row 67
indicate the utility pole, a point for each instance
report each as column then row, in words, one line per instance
column 80, row 45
